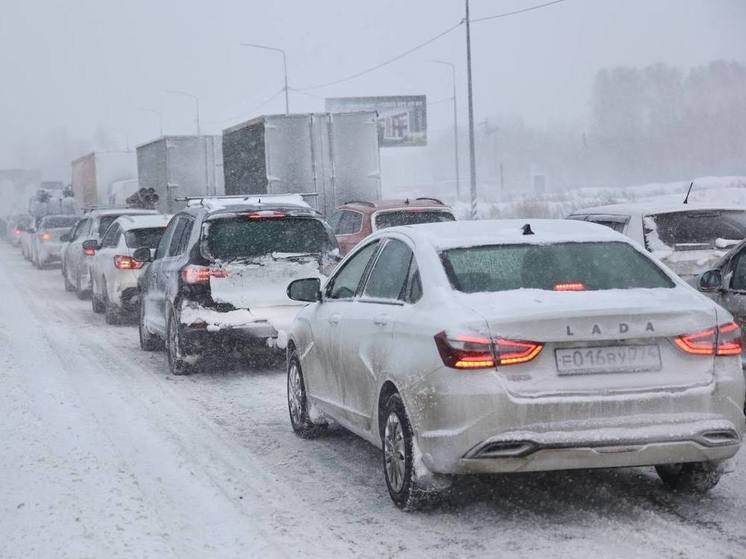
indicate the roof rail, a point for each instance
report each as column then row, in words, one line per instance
column 240, row 197
column 362, row 202
column 220, row 202
column 431, row 199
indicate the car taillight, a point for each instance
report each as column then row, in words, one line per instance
column 127, row 263
column 470, row 352
column 266, row 214
column 45, row 236
column 196, row 275
column 514, row 352
column 89, row 252
column 569, row 287
column 17, row 232
column 723, row 340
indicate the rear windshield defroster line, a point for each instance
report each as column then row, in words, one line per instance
column 561, row 266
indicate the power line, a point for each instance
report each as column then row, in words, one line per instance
column 422, row 45
column 516, row 12
column 385, row 62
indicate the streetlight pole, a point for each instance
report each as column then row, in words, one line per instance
column 284, row 68
column 455, row 126
column 472, row 155
column 196, row 103
column 159, row 114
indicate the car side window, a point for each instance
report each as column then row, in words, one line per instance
column 738, row 281
column 173, row 248
column 345, row 283
column 185, row 234
column 78, row 230
column 168, row 234
column 388, row 279
column 349, row 223
column 334, row 221
column 111, row 237
column 414, row 291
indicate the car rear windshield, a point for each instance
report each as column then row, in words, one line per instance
column 701, row 227
column 556, row 267
column 144, row 238
column 241, row 237
column 411, row 217
column 59, row 222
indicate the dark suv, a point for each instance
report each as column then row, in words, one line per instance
column 219, row 275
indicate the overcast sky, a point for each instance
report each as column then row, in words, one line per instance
column 81, row 65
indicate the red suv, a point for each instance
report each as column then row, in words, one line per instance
column 355, row 220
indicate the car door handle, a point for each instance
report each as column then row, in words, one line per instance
column 381, row 320
column 334, row 319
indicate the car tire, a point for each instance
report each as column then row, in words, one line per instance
column 68, row 286
column 690, row 477
column 111, row 313
column 398, row 459
column 148, row 341
column 80, row 293
column 97, row 306
column 174, row 348
column 298, row 403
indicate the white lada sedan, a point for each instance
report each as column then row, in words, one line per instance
column 500, row 346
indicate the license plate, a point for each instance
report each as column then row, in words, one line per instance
column 608, row 359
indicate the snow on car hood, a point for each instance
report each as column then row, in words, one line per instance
column 535, row 314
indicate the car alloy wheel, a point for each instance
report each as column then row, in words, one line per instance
column 394, row 452
column 175, row 352
column 148, row 342
column 298, row 403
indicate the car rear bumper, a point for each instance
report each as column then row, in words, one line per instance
column 472, row 425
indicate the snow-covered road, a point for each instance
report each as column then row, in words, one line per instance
column 103, row 454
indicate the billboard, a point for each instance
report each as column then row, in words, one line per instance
column 402, row 119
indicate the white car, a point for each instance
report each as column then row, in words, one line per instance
column 114, row 273
column 688, row 238
column 46, row 243
column 500, row 346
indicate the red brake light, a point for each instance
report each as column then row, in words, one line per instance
column 17, row 232
column 200, row 275
column 127, row 263
column 89, row 252
column 723, row 340
column 45, row 236
column 469, row 352
column 266, row 214
column 569, row 287
column 512, row 352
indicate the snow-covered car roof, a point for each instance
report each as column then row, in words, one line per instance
column 249, row 201
column 653, row 207
column 451, row 234
column 120, row 211
column 128, row 222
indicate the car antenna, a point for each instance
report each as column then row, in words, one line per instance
column 686, row 198
column 527, row 229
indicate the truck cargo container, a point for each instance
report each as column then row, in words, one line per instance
column 181, row 166
column 332, row 156
column 93, row 175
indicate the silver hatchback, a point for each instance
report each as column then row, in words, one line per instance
column 501, row 346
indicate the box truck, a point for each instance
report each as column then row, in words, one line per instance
column 334, row 157
column 181, row 166
column 94, row 174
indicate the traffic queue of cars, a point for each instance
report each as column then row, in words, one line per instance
column 459, row 348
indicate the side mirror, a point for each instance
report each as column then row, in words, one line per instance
column 142, row 254
column 307, row 290
column 711, row 280
column 66, row 238
column 90, row 247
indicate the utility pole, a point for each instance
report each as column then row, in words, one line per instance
column 472, row 155
column 455, row 127
column 284, row 68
